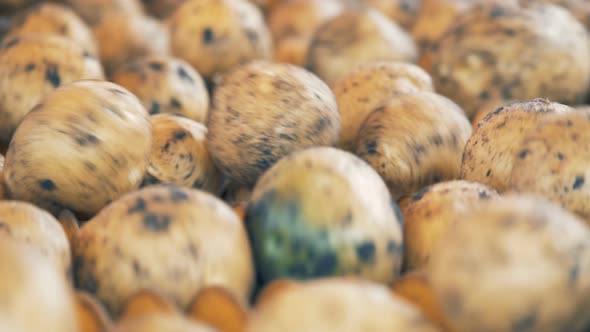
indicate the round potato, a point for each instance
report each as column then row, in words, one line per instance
column 431, row 211
column 165, row 84
column 324, row 212
column 161, row 323
column 93, row 11
column 508, row 53
column 354, row 37
column 180, row 156
column 414, row 140
column 263, row 111
column 84, row 145
column 490, row 256
column 31, row 67
column 199, row 241
column 404, row 12
column 216, row 35
column 367, row 87
column 489, row 153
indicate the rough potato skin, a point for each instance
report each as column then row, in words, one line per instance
column 216, row 35
column 414, row 140
column 93, row 11
column 324, row 212
column 370, row 85
column 180, row 156
column 355, row 37
column 489, row 153
column 51, row 18
column 552, row 161
column 83, row 146
column 165, row 84
column 337, row 305
column 404, row 12
column 199, row 241
column 431, row 211
column 490, row 256
column 263, row 111
column 535, row 59
column 160, row 323
column 33, row 66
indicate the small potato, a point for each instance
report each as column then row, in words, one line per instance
column 404, row 12
column 367, row 87
column 263, row 111
column 431, row 211
column 414, row 140
column 518, row 263
column 166, row 238
column 162, row 9
column 216, row 35
column 355, row 37
column 93, row 11
column 31, row 67
column 123, row 38
column 161, row 323
column 165, row 84
column 84, row 145
column 337, row 305
column 489, row 153
column 179, row 155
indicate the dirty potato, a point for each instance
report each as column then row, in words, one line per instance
column 93, row 11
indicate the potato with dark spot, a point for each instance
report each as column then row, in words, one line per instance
column 552, row 161
column 166, row 238
column 487, row 108
column 404, row 12
column 83, row 146
column 354, row 37
column 123, row 38
column 414, row 140
column 216, row 35
column 165, row 84
column 489, row 153
column 31, row 67
column 367, row 87
column 324, row 212
column 51, row 18
column 162, row 9
column 180, row 156
column 513, row 53
column 431, row 211
column 161, row 323
column 518, row 263
column 263, row 111
column 337, row 305
column 93, row 11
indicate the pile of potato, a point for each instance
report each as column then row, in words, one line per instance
column 295, row 165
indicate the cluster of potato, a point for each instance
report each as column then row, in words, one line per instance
column 294, row 165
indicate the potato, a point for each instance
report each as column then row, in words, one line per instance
column 263, row 111
column 180, row 156
column 579, row 8
column 337, row 305
column 161, row 323
column 123, row 38
column 323, row 212
column 35, row 294
column 355, row 37
column 84, row 145
column 216, row 35
column 367, row 87
column 431, row 211
column 162, row 8
column 552, row 161
column 489, row 153
column 414, row 140
column 519, row 263
column 31, row 67
column 218, row 308
column 404, row 12
column 198, row 239
column 495, row 52
column 291, row 50
column 93, row 11
column 165, row 84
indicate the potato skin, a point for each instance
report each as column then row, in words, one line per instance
column 93, row 11
column 367, row 87
column 414, row 140
column 263, row 111
column 355, row 37
column 33, row 66
column 200, row 241
column 217, row 35
column 72, row 151
column 470, row 67
column 165, row 84
column 161, row 323
column 491, row 254
column 489, row 153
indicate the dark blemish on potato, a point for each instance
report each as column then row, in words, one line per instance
column 574, row 273
column 266, row 152
column 418, row 196
column 177, row 195
column 30, row 67
column 155, row 66
column 193, row 250
column 522, row 154
column 287, row 137
column 87, row 55
column 90, row 166
column 86, row 140
column 325, row 264
column 183, row 74
column 155, row 108
column 208, row 36
column 525, row 323
column 484, row 195
column 507, row 92
column 366, row 252
column 484, row 95
column 175, row 103
column 5, row 228
column 263, row 164
column 560, row 156
column 136, row 268
column 569, row 123
column 11, row 43
column 139, row 206
column 112, row 110
column 509, row 32
column 347, row 220
column 371, row 147
column 52, row 75
column 180, row 135
column 488, row 173
column 156, row 223
column 117, row 91
column 393, row 248
column 497, row 12
column 166, row 146
column 436, row 140
column 252, row 36
column 47, row 184
column 579, row 182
